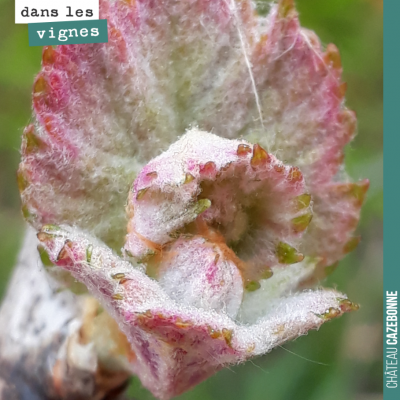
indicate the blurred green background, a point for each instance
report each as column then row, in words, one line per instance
column 343, row 360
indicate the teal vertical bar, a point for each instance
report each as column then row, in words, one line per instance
column 391, row 229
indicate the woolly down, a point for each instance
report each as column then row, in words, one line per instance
column 190, row 174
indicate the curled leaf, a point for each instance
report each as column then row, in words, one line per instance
column 172, row 341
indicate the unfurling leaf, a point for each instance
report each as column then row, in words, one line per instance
column 212, row 140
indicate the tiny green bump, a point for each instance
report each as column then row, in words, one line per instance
column 285, row 8
column 301, row 223
column 288, row 254
column 302, row 201
column 33, row 142
column 44, row 256
column 214, row 333
column 202, row 205
column 252, row 286
column 117, row 296
column 188, row 178
column 48, row 232
column 268, row 273
column 140, row 194
column 118, row 275
column 330, row 314
column 89, row 252
column 227, row 335
column 359, row 190
column 50, row 228
column 40, row 87
column 25, row 211
column 346, row 305
column 29, row 216
column 351, row 244
column 22, row 180
column 356, row 191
